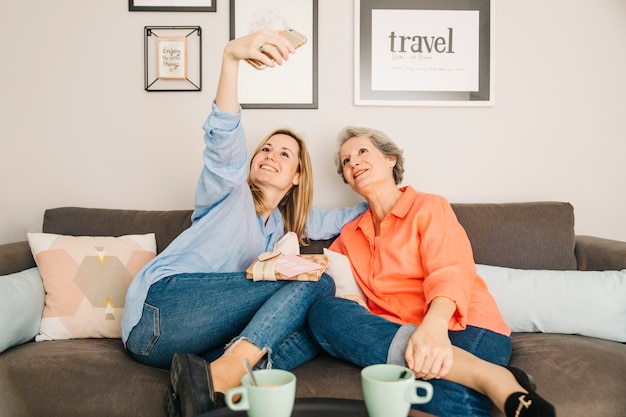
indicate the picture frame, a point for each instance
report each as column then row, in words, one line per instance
column 293, row 85
column 173, row 58
column 424, row 53
column 172, row 5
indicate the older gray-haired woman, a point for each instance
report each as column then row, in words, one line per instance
column 423, row 304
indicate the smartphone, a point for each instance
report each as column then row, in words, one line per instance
column 294, row 37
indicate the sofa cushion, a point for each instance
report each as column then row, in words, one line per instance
column 520, row 235
column 86, row 279
column 339, row 268
column 79, row 377
column 21, row 307
column 544, row 231
column 589, row 303
column 15, row 257
column 80, row 221
column 581, row 376
column 329, row 377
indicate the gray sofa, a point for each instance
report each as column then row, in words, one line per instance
column 582, row 376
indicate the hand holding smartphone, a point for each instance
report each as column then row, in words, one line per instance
column 294, row 37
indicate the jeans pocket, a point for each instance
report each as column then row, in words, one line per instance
column 145, row 334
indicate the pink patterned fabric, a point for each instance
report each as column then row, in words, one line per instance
column 86, row 279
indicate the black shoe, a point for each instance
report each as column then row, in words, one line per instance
column 192, row 390
column 172, row 405
column 520, row 404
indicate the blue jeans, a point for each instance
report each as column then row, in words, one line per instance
column 350, row 332
column 203, row 313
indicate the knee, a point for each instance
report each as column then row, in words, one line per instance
column 321, row 313
column 327, row 284
column 330, row 283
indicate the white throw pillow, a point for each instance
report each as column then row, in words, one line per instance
column 20, row 310
column 589, row 303
column 339, row 268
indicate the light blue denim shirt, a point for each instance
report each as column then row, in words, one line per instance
column 226, row 234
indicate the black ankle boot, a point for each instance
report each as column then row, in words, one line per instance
column 172, row 405
column 520, row 404
column 192, row 390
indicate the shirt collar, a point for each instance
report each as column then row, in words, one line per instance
column 403, row 205
column 400, row 210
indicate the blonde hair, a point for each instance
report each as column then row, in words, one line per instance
column 297, row 202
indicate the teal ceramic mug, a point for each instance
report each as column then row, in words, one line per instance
column 389, row 390
column 273, row 396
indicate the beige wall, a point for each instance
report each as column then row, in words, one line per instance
column 77, row 128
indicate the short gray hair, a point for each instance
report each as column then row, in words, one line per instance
column 380, row 139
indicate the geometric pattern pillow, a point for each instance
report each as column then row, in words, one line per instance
column 86, row 279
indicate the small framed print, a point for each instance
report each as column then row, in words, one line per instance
column 172, row 57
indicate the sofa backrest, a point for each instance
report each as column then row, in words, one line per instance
column 536, row 235
column 516, row 235
column 79, row 221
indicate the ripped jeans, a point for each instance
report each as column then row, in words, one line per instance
column 203, row 313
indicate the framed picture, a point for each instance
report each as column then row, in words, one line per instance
column 424, row 52
column 171, row 5
column 173, row 58
column 294, row 84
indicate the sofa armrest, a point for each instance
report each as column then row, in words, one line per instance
column 599, row 254
column 15, row 257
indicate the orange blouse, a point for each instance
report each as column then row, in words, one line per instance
column 422, row 253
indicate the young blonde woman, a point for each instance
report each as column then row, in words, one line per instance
column 424, row 307
column 192, row 308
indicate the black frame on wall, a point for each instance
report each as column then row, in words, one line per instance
column 192, row 81
column 367, row 94
column 160, row 6
column 296, row 87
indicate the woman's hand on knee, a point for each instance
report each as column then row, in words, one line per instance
column 429, row 353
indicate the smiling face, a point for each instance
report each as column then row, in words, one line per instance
column 365, row 167
column 276, row 165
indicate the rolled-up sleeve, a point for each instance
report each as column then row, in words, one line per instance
column 447, row 258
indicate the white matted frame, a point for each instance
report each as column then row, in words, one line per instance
column 424, row 52
column 173, row 58
column 294, row 84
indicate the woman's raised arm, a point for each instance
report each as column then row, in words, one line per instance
column 265, row 46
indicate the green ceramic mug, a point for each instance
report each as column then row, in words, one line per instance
column 273, row 396
column 389, row 390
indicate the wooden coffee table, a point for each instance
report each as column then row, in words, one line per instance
column 315, row 407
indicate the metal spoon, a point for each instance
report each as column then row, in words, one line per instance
column 246, row 364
